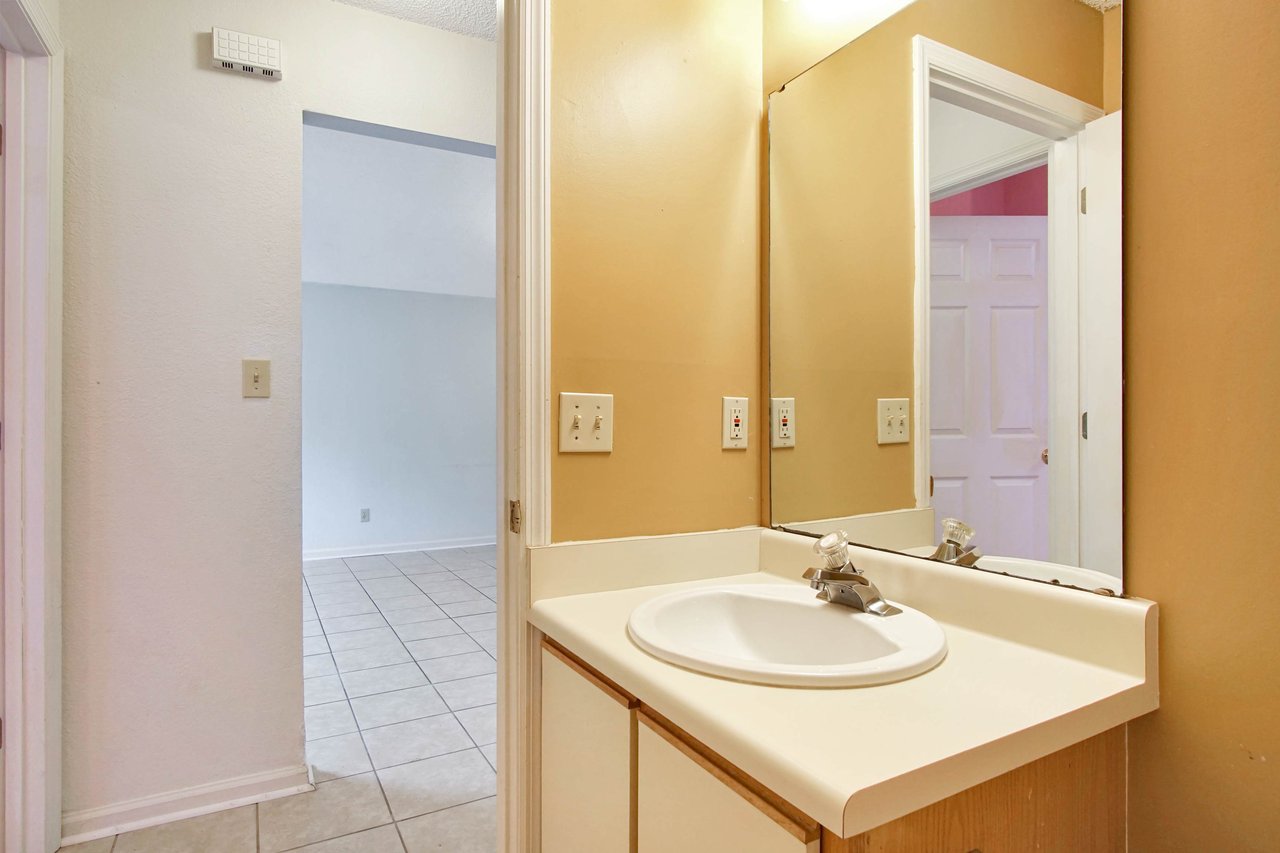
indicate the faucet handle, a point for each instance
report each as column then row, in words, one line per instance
column 957, row 531
column 833, row 549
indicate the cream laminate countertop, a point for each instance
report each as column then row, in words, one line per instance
column 856, row 758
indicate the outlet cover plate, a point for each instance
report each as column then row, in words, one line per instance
column 586, row 423
column 736, row 425
column 783, row 422
column 893, row 420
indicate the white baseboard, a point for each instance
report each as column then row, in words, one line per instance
column 105, row 821
column 396, row 547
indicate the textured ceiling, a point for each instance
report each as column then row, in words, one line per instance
column 1102, row 5
column 477, row 18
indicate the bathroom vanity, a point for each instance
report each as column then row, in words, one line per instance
column 1014, row 741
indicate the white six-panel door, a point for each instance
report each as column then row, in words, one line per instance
column 988, row 379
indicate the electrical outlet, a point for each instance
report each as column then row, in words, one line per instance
column 735, row 426
column 783, row 422
column 586, row 423
column 893, row 420
column 364, row 515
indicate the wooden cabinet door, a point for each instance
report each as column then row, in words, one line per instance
column 588, row 747
column 686, row 804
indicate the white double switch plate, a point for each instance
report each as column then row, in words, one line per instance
column 586, row 423
column 893, row 420
column 735, row 424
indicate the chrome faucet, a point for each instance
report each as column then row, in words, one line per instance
column 840, row 582
column 955, row 547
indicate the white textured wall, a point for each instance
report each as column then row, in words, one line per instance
column 399, row 416
column 182, row 500
column 383, row 213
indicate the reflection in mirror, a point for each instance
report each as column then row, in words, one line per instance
column 944, row 279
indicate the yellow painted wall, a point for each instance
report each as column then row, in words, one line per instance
column 842, row 267
column 1113, row 59
column 655, row 272
column 1202, row 309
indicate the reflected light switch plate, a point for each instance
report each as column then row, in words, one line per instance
column 586, row 423
column 893, row 420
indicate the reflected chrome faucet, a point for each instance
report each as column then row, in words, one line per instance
column 955, row 547
column 840, row 582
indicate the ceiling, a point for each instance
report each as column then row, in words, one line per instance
column 476, row 18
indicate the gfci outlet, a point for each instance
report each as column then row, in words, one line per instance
column 782, row 427
column 735, row 424
column 586, row 423
column 364, row 515
column 893, row 420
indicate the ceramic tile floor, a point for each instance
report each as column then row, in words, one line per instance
column 400, row 691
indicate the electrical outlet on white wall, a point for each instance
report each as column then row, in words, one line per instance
column 783, row 422
column 735, row 425
column 893, row 420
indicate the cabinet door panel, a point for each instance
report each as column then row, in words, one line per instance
column 587, row 758
column 683, row 808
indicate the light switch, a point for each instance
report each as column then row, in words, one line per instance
column 586, row 423
column 256, row 377
column 893, row 420
column 783, row 422
column 735, row 426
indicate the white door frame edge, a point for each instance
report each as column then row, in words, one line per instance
column 524, row 404
column 32, row 428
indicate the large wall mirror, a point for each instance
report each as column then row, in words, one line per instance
column 944, row 289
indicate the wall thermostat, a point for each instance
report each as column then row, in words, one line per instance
column 245, row 54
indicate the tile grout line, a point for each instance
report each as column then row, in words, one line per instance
column 360, row 728
column 401, row 643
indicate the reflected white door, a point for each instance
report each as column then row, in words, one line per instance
column 988, row 379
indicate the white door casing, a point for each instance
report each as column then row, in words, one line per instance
column 989, row 379
column 32, row 427
column 1101, row 354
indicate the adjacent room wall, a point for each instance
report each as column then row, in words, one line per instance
column 655, row 191
column 398, row 416
column 399, row 374
column 1023, row 194
column 842, row 256
column 1202, row 246
column 183, row 510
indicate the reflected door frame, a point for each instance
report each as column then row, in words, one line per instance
column 949, row 75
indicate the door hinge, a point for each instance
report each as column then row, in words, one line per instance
column 513, row 516
column 930, row 485
column 1084, row 199
column 1084, row 426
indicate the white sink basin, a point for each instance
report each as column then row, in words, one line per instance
column 782, row 634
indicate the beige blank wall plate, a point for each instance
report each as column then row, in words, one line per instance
column 256, row 377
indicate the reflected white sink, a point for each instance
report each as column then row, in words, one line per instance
column 1037, row 570
column 782, row 634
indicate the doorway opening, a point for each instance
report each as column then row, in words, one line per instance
column 989, row 330
column 399, row 473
